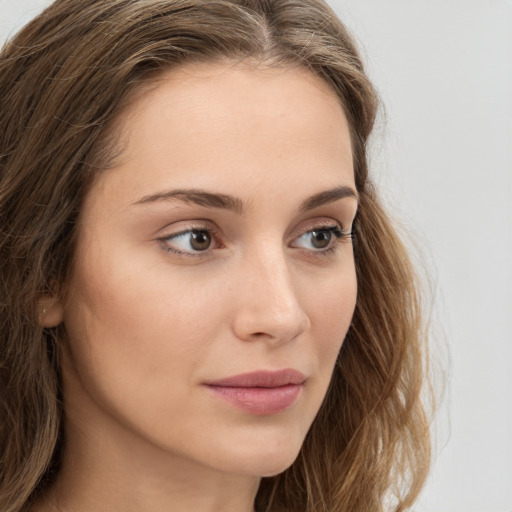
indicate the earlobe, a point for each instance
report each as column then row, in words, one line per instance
column 50, row 312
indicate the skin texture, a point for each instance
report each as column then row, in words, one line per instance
column 147, row 327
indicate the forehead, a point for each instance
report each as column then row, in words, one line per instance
column 222, row 124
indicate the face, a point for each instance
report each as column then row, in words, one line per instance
column 214, row 281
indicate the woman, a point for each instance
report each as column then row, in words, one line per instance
column 204, row 306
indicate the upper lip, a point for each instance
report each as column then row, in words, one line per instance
column 261, row 379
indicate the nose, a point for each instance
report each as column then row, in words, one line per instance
column 267, row 306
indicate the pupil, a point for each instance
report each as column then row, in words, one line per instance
column 200, row 240
column 321, row 239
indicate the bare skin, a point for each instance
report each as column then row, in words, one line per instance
column 173, row 291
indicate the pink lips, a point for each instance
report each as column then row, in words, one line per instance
column 262, row 392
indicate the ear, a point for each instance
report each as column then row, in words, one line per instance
column 50, row 311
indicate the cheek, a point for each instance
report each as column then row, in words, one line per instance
column 137, row 347
column 331, row 312
column 137, row 320
column 136, row 333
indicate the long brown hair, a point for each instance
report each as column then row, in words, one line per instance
column 63, row 80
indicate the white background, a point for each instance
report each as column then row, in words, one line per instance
column 443, row 160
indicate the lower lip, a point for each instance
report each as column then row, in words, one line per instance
column 259, row 401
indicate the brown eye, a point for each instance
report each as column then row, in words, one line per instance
column 189, row 242
column 320, row 238
column 200, row 240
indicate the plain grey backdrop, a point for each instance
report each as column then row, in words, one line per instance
column 442, row 158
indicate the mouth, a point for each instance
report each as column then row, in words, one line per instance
column 262, row 392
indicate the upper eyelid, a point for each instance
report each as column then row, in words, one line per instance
column 325, row 223
column 185, row 227
column 216, row 235
column 207, row 225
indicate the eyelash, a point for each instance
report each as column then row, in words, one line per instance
column 199, row 254
column 339, row 233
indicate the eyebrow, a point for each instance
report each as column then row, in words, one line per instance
column 234, row 204
column 199, row 197
column 328, row 196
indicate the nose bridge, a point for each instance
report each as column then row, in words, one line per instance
column 269, row 306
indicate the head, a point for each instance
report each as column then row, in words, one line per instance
column 70, row 149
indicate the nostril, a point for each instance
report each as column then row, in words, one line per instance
column 260, row 335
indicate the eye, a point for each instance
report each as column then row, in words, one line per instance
column 321, row 239
column 189, row 241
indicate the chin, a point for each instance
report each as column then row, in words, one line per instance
column 269, row 466
column 266, row 458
